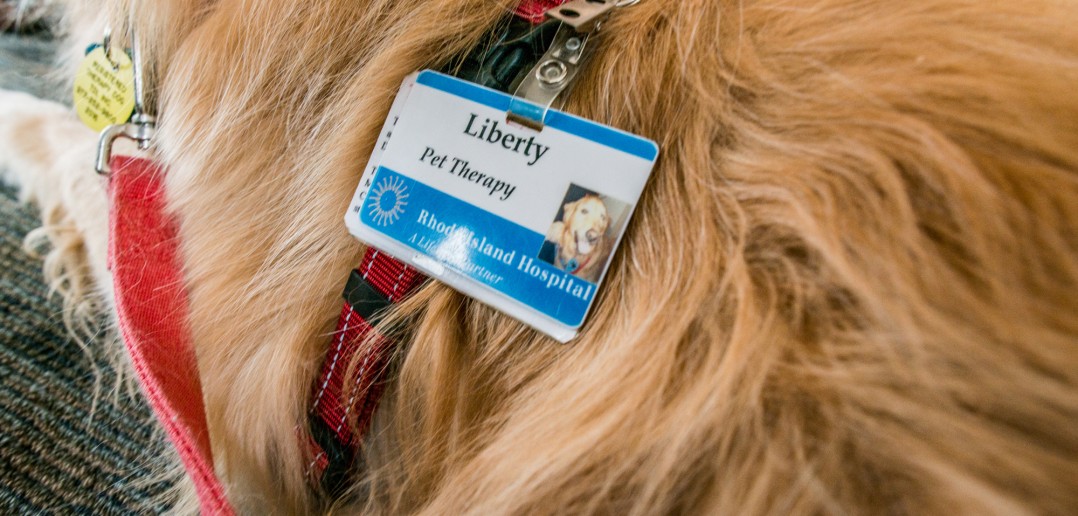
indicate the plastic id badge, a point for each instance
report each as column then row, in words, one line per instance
column 525, row 221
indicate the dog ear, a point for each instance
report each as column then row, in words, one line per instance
column 555, row 231
column 568, row 210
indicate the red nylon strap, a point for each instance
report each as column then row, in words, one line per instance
column 532, row 10
column 341, row 392
column 151, row 305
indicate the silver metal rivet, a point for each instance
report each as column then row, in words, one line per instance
column 551, row 72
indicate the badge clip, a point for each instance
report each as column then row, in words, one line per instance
column 583, row 15
column 142, row 125
column 558, row 67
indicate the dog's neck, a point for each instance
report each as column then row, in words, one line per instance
column 567, row 261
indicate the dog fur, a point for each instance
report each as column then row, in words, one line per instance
column 848, row 288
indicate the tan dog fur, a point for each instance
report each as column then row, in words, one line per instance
column 849, row 286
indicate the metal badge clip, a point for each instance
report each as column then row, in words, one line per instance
column 142, row 125
column 558, row 67
column 583, row 15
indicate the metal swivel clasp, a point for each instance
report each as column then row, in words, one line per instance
column 141, row 127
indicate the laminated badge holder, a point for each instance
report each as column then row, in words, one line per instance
column 381, row 280
column 151, row 303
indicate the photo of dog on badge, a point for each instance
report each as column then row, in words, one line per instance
column 585, row 229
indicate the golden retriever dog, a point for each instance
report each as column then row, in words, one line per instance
column 582, row 245
column 849, row 287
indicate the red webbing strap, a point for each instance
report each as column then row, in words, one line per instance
column 330, row 403
column 532, row 10
column 151, row 305
column 341, row 394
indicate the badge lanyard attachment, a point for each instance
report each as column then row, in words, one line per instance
column 142, row 124
column 558, row 67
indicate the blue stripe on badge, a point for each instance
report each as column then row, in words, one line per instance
column 601, row 134
column 475, row 243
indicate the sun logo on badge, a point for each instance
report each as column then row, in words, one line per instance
column 387, row 201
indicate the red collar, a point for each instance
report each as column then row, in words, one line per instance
column 579, row 266
column 151, row 308
column 532, row 10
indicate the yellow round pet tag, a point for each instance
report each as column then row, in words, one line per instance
column 104, row 89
